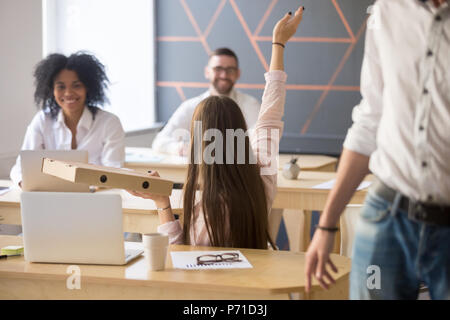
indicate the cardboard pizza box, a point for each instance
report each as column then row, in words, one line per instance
column 94, row 175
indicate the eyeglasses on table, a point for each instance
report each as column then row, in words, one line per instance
column 218, row 258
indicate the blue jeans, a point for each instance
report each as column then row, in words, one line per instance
column 393, row 255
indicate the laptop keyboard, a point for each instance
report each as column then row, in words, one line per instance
column 129, row 253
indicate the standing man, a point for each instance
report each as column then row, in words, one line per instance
column 222, row 71
column 401, row 133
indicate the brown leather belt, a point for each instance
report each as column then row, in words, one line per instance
column 417, row 211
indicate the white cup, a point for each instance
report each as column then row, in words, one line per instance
column 155, row 250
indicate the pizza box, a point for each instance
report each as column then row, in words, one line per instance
column 101, row 176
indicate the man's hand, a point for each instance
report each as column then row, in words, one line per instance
column 353, row 167
column 318, row 257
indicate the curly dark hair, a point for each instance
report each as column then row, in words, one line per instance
column 90, row 71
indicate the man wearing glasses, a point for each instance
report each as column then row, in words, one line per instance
column 222, row 72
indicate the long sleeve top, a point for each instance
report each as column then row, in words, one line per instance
column 403, row 120
column 103, row 138
column 264, row 140
column 168, row 140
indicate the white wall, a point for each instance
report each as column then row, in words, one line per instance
column 20, row 50
column 21, row 38
column 120, row 34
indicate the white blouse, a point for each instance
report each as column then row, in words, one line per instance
column 103, row 138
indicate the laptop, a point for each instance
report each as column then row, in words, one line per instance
column 75, row 228
column 34, row 180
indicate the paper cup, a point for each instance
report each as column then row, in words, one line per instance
column 155, row 250
column 151, row 240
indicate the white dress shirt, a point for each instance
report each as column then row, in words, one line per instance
column 103, row 138
column 403, row 120
column 168, row 141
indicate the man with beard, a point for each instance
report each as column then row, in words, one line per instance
column 222, row 71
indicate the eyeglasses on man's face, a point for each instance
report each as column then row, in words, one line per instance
column 217, row 258
column 229, row 70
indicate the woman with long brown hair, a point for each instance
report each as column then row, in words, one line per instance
column 230, row 186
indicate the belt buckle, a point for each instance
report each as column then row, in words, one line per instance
column 416, row 211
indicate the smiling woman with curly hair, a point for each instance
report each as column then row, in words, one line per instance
column 70, row 91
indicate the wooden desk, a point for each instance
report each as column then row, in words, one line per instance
column 174, row 167
column 291, row 194
column 310, row 162
column 275, row 275
column 140, row 215
column 299, row 195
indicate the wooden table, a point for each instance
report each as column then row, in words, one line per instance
column 174, row 167
column 299, row 195
column 140, row 215
column 295, row 199
column 275, row 275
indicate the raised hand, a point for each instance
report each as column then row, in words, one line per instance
column 282, row 32
column 287, row 26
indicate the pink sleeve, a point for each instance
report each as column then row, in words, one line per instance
column 265, row 139
column 174, row 230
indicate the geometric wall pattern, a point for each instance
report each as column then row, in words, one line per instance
column 323, row 60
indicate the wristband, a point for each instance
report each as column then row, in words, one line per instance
column 162, row 209
column 327, row 229
column 278, row 43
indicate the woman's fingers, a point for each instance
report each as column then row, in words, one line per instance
column 140, row 194
column 286, row 17
column 135, row 193
column 132, row 193
column 296, row 19
column 298, row 16
column 280, row 25
column 287, row 26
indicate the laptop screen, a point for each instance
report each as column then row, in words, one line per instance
column 34, row 180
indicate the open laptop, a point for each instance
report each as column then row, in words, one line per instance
column 34, row 180
column 76, row 228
